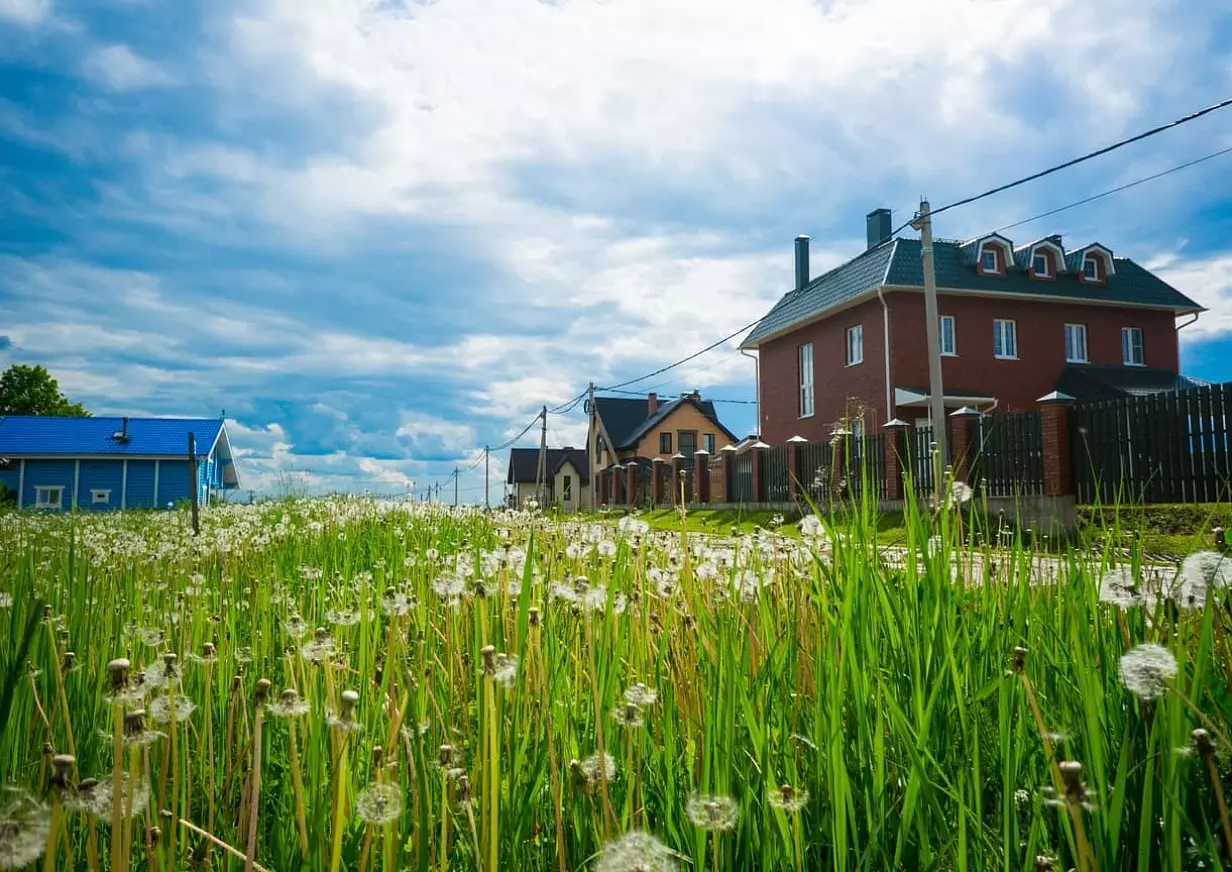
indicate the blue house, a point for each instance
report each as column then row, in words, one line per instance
column 113, row 463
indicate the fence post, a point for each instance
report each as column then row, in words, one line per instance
column 838, row 462
column 631, row 483
column 758, row 491
column 962, row 445
column 1054, row 433
column 793, row 467
column 895, row 433
column 701, row 475
column 656, row 481
column 728, row 462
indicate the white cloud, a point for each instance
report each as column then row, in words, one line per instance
column 25, row 11
column 420, row 430
column 121, row 69
column 1208, row 281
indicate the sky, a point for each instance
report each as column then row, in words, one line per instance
column 381, row 234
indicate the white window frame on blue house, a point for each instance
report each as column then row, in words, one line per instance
column 40, row 493
column 100, row 496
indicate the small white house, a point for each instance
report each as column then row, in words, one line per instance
column 567, row 478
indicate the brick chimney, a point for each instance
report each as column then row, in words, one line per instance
column 652, row 403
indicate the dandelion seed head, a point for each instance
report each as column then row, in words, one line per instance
column 789, row 798
column 641, row 695
column 289, row 705
column 25, row 825
column 506, row 672
column 95, row 797
column 712, row 812
column 6, row 599
column 1147, row 670
column 598, row 768
column 379, row 803
column 636, row 851
column 629, row 715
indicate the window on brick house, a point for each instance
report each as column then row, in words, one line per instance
column 988, row 262
column 1076, row 343
column 855, row 345
column 1040, row 266
column 665, row 443
column 1132, row 351
column 805, row 379
column 1005, row 339
column 688, row 443
column 1090, row 268
column 708, row 443
column 949, row 346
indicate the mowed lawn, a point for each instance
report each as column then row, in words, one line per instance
column 351, row 683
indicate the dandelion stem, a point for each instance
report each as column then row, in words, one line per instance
column 214, row 840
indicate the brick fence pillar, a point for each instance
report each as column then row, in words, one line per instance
column 656, row 481
column 963, row 449
column 631, row 484
column 895, row 451
column 701, row 475
column 677, row 476
column 1054, row 427
column 728, row 466
column 758, row 490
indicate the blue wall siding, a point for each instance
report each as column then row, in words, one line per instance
column 48, row 473
column 11, row 477
column 102, row 475
column 173, row 482
column 141, row 484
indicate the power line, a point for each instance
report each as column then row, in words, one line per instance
column 1116, row 190
column 683, row 360
column 1184, row 119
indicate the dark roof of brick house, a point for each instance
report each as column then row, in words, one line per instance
column 627, row 421
column 524, row 464
column 1090, row 382
column 897, row 263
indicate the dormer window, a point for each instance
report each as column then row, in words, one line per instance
column 1093, row 264
column 990, row 264
column 1090, row 269
column 1041, row 266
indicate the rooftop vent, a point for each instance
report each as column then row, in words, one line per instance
column 121, row 435
column 880, row 227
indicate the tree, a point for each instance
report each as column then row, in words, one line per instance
column 30, row 390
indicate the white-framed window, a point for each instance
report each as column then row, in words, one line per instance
column 1040, row 265
column 1132, row 351
column 49, row 497
column 1076, row 343
column 1090, row 268
column 100, row 496
column 1005, row 339
column 949, row 347
column 988, row 261
column 806, row 379
column 855, row 345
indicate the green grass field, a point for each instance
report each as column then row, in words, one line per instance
column 351, row 684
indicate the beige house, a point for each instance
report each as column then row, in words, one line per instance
column 637, row 429
column 567, row 479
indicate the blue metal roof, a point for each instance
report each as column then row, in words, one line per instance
column 32, row 436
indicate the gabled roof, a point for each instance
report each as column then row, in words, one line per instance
column 1089, row 382
column 897, row 263
column 35, row 436
column 524, row 464
column 627, row 420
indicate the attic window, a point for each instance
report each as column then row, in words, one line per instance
column 988, row 262
column 1090, row 268
column 1041, row 265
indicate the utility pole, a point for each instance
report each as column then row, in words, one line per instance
column 195, row 486
column 932, row 325
column 592, row 442
column 455, row 487
column 487, row 504
column 541, row 476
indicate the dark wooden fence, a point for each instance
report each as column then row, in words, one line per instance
column 866, row 477
column 1008, row 455
column 1162, row 448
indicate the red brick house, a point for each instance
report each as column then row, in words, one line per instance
column 1017, row 321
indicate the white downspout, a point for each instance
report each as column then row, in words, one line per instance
column 885, row 320
column 757, row 377
column 21, row 482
